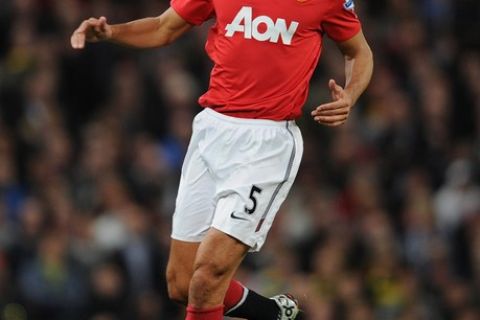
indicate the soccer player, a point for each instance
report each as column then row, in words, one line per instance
column 245, row 148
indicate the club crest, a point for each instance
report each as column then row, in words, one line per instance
column 349, row 5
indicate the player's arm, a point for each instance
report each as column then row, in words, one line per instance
column 358, row 72
column 144, row 33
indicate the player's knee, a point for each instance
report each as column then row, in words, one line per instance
column 208, row 273
column 177, row 288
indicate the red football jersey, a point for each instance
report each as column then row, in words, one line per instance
column 265, row 52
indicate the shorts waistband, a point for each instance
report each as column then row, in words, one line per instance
column 259, row 122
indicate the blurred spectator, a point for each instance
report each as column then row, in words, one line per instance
column 458, row 199
column 51, row 285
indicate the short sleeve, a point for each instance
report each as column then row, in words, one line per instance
column 193, row 11
column 341, row 22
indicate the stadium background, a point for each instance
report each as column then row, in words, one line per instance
column 384, row 220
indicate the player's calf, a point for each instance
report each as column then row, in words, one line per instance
column 177, row 285
column 180, row 269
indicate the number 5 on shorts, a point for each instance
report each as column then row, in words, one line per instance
column 252, row 197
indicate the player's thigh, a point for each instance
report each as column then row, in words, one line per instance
column 191, row 222
column 193, row 212
column 251, row 194
column 194, row 206
column 180, row 266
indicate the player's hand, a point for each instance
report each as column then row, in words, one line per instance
column 335, row 113
column 91, row 30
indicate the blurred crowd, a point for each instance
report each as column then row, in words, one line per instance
column 383, row 221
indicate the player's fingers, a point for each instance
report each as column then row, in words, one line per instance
column 87, row 25
column 333, row 112
column 334, row 87
column 78, row 40
column 94, row 22
column 79, row 36
column 335, row 124
column 333, row 105
column 98, row 29
column 335, row 90
column 83, row 26
column 103, row 23
column 330, row 119
column 339, row 104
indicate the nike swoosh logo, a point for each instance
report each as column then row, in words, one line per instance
column 233, row 216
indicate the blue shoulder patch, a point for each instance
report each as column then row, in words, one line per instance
column 349, row 5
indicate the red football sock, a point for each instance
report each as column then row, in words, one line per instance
column 234, row 295
column 204, row 314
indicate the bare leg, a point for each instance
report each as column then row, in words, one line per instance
column 179, row 275
column 217, row 260
column 180, row 269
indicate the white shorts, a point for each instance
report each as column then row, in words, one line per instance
column 236, row 174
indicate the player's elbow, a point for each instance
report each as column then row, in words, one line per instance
column 163, row 35
column 168, row 40
column 167, row 31
column 163, row 40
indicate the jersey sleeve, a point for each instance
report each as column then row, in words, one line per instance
column 193, row 11
column 341, row 22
